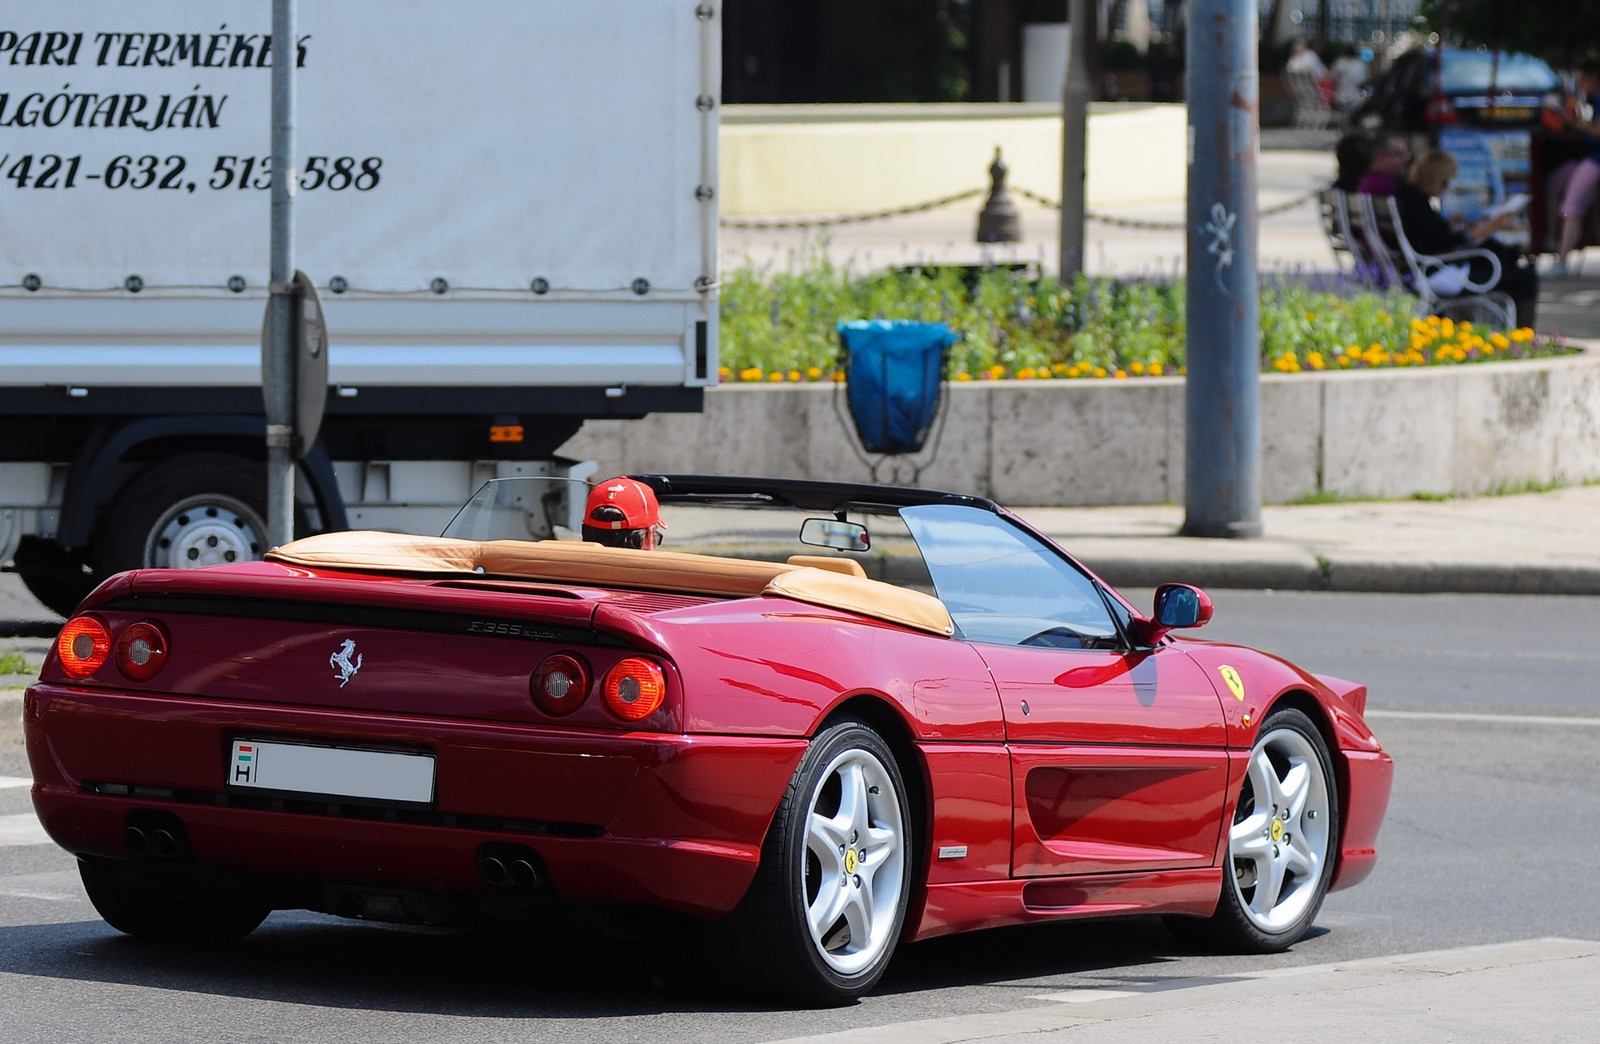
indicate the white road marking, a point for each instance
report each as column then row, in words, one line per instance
column 1491, row 719
column 22, row 829
column 1084, row 996
column 14, row 781
column 47, row 897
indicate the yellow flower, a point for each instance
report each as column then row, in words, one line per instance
column 1316, row 361
column 775, row 375
column 1025, row 374
column 963, row 376
column 750, row 373
column 1121, row 375
column 723, row 372
column 813, row 373
column 1499, row 340
column 1136, row 368
column 1155, row 369
column 838, row 376
column 1522, row 334
column 1099, row 371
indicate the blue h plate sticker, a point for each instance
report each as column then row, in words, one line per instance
column 244, row 763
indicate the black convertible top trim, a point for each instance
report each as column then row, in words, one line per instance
column 806, row 494
column 485, row 623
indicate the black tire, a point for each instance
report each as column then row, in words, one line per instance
column 151, row 903
column 844, row 826
column 57, row 577
column 1282, row 842
column 187, row 512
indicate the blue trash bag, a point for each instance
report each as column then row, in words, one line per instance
column 894, row 374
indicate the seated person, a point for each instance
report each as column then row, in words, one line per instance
column 1352, row 155
column 1430, row 233
column 1387, row 168
column 623, row 512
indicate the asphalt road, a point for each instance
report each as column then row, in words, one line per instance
column 1487, row 703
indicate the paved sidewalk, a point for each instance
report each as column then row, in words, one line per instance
column 1542, row 990
column 1532, row 543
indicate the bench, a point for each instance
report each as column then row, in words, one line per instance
column 1384, row 259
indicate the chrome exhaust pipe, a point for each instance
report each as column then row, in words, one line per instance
column 524, row 874
column 494, row 872
column 163, row 844
column 136, row 841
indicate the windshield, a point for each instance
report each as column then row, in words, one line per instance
column 1467, row 71
column 522, row 509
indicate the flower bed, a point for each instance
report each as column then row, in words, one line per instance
column 779, row 327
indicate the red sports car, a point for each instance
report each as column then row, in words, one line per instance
column 813, row 764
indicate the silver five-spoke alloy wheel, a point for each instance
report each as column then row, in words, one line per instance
column 854, row 861
column 1279, row 843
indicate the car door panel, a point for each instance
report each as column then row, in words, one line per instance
column 1118, row 759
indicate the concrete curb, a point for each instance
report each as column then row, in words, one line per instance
column 1356, row 576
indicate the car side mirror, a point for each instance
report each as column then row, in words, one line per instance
column 1177, row 606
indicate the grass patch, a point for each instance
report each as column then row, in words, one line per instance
column 13, row 663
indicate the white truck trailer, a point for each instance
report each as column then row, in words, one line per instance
column 508, row 209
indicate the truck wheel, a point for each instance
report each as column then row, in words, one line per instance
column 53, row 574
column 186, row 513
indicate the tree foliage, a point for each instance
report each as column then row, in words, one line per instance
column 1563, row 32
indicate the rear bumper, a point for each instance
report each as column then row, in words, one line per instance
column 674, row 821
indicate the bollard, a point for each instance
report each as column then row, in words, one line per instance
column 998, row 221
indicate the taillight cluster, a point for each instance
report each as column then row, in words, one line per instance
column 86, row 643
column 631, row 690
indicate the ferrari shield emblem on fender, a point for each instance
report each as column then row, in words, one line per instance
column 1235, row 683
column 347, row 667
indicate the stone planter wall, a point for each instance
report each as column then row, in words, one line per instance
column 1382, row 433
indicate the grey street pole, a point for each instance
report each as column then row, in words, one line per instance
column 1074, row 138
column 282, row 320
column 1222, row 466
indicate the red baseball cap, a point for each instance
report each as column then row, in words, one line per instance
column 633, row 498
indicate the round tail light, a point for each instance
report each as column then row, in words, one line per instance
column 560, row 683
column 142, row 650
column 83, row 645
column 634, row 688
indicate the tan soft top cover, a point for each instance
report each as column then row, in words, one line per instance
column 572, row 562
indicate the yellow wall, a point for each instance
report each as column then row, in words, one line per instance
column 842, row 159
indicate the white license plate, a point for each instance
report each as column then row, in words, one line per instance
column 295, row 768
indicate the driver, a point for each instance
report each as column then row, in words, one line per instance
column 623, row 512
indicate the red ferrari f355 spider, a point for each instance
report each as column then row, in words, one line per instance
column 815, row 763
